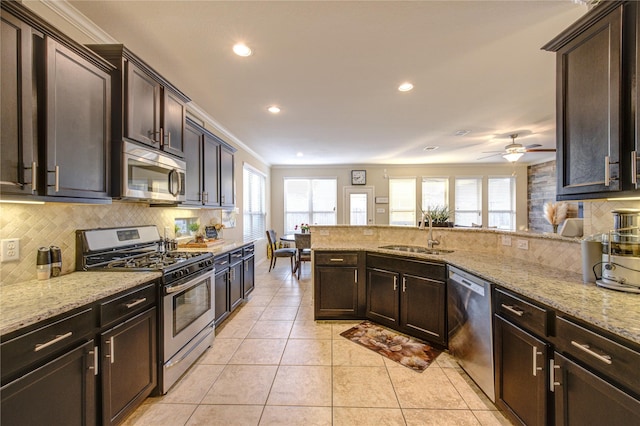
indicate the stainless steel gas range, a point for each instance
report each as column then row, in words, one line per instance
column 186, row 303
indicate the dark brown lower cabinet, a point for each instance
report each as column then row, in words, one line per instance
column 422, row 310
column 382, row 296
column 221, row 298
column 582, row 398
column 248, row 274
column 61, row 392
column 339, row 289
column 129, row 365
column 521, row 362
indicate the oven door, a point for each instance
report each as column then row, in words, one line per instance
column 152, row 175
column 187, row 309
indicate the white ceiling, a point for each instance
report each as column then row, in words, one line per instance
column 334, row 68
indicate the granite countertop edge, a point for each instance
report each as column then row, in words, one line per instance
column 611, row 310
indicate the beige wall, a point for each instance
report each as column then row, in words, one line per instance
column 377, row 177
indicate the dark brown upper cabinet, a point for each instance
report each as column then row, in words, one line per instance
column 146, row 107
column 210, row 171
column 56, row 111
column 596, row 98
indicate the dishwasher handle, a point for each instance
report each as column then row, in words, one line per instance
column 465, row 282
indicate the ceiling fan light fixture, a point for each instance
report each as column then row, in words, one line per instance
column 273, row 109
column 512, row 156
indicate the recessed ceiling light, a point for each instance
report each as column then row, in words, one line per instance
column 242, row 49
column 273, row 109
column 405, row 87
column 299, row 154
column 430, row 148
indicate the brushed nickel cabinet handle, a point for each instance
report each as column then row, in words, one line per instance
column 135, row 303
column 94, row 367
column 552, row 376
column 355, row 276
column 607, row 171
column 634, row 167
column 586, row 348
column 395, row 283
column 535, row 360
column 512, row 309
column 404, row 284
column 336, row 259
column 58, row 338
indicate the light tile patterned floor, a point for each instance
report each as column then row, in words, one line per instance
column 271, row 364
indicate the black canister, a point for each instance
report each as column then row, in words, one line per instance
column 56, row 261
column 43, row 263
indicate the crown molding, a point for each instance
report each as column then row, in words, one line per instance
column 83, row 24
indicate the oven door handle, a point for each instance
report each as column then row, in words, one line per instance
column 185, row 286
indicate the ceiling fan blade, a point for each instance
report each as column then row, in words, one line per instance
column 487, row 156
column 533, row 145
column 492, row 152
column 542, row 150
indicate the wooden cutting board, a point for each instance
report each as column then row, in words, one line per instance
column 206, row 244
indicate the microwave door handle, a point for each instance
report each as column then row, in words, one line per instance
column 172, row 180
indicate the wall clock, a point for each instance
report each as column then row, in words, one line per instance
column 358, row 177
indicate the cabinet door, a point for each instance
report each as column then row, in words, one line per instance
column 582, row 398
column 129, row 366
column 236, row 292
column 18, row 141
column 221, row 296
column 248, row 275
column 227, row 183
column 193, row 154
column 521, row 373
column 210, row 155
column 174, row 113
column 143, row 107
column 78, row 125
column 422, row 308
column 382, row 296
column 61, row 392
column 589, row 84
column 336, row 292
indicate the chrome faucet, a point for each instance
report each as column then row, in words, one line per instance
column 430, row 241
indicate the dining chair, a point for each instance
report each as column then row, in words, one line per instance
column 303, row 245
column 279, row 252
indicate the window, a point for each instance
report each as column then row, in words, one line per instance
column 501, row 198
column 254, row 196
column 402, row 201
column 311, row 201
column 435, row 192
column 468, row 202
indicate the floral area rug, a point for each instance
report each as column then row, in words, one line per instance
column 410, row 352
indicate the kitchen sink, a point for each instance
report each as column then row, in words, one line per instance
column 416, row 249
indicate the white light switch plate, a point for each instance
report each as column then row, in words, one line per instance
column 506, row 240
column 523, row 244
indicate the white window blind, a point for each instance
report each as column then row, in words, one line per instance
column 435, row 193
column 310, row 201
column 502, row 204
column 254, row 200
column 402, row 201
column 468, row 201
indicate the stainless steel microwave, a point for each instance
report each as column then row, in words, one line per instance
column 151, row 175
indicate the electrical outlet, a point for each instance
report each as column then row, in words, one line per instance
column 368, row 232
column 523, row 244
column 324, row 232
column 10, row 249
column 506, row 240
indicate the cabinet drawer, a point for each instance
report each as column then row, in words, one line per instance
column 336, row 259
column 525, row 314
column 610, row 358
column 222, row 261
column 40, row 343
column 127, row 304
column 248, row 251
column 235, row 256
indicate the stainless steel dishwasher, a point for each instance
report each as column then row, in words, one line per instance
column 470, row 327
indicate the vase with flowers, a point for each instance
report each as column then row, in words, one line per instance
column 304, row 228
column 555, row 213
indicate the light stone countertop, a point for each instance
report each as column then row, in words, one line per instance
column 611, row 310
column 26, row 303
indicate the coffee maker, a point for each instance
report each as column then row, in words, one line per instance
column 621, row 252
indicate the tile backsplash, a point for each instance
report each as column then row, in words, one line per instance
column 598, row 217
column 56, row 223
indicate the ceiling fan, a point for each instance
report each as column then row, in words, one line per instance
column 514, row 151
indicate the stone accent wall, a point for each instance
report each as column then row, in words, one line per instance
column 541, row 188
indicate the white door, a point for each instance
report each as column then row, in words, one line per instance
column 358, row 202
